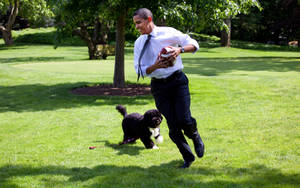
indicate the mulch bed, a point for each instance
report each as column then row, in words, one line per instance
column 109, row 90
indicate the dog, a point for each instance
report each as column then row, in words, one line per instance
column 136, row 126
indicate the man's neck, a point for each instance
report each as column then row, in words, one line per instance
column 151, row 27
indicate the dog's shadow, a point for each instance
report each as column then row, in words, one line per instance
column 125, row 149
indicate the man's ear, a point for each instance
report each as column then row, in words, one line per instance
column 149, row 18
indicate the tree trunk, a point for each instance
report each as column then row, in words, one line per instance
column 119, row 75
column 6, row 31
column 100, row 32
column 85, row 36
column 225, row 36
column 92, row 50
column 298, row 38
column 7, row 36
column 95, row 39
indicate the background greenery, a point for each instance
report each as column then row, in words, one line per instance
column 246, row 101
column 48, row 36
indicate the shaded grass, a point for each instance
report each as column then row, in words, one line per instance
column 247, row 103
column 135, row 176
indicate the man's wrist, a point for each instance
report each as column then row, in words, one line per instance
column 151, row 68
column 181, row 49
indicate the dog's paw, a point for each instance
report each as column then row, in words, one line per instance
column 155, row 147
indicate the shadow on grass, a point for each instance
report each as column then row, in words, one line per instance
column 126, row 149
column 30, row 59
column 250, row 46
column 164, row 175
column 38, row 97
column 262, row 46
column 35, row 59
column 13, row 47
column 216, row 66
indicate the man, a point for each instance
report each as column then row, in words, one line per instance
column 169, row 85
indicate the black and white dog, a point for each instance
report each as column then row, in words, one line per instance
column 137, row 126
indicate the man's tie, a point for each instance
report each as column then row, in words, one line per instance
column 141, row 55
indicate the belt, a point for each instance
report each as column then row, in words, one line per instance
column 167, row 79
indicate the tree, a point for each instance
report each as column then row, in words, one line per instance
column 195, row 15
column 79, row 14
column 226, row 33
column 84, row 19
column 183, row 14
column 119, row 72
column 119, row 9
column 292, row 23
column 277, row 23
column 224, row 11
column 234, row 8
column 30, row 9
column 79, row 17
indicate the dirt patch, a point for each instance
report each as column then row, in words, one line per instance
column 109, row 90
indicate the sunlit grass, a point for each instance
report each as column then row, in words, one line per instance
column 247, row 103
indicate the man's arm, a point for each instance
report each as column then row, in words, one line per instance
column 167, row 62
column 178, row 50
column 159, row 63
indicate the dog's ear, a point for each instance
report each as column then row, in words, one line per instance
column 158, row 114
column 161, row 116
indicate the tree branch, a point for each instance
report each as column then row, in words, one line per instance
column 2, row 28
column 13, row 15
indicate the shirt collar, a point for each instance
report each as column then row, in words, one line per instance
column 154, row 31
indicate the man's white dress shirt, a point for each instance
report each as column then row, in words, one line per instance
column 160, row 38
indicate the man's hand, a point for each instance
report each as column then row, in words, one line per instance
column 175, row 51
column 169, row 61
column 164, row 62
column 159, row 63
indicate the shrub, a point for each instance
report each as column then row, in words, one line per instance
column 43, row 36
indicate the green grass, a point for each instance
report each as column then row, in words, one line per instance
column 247, row 103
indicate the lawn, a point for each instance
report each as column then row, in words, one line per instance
column 246, row 101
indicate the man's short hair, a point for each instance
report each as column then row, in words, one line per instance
column 143, row 13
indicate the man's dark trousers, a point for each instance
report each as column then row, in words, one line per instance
column 172, row 98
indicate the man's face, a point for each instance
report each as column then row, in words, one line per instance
column 141, row 24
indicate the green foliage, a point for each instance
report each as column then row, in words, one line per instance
column 204, row 37
column 194, row 15
column 275, row 23
column 31, row 36
column 43, row 36
column 33, row 10
column 4, row 5
column 179, row 15
column 73, row 15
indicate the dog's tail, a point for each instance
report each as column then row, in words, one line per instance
column 122, row 110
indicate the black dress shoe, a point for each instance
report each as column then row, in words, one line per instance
column 199, row 146
column 186, row 164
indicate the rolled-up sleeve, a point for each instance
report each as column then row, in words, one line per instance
column 185, row 39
